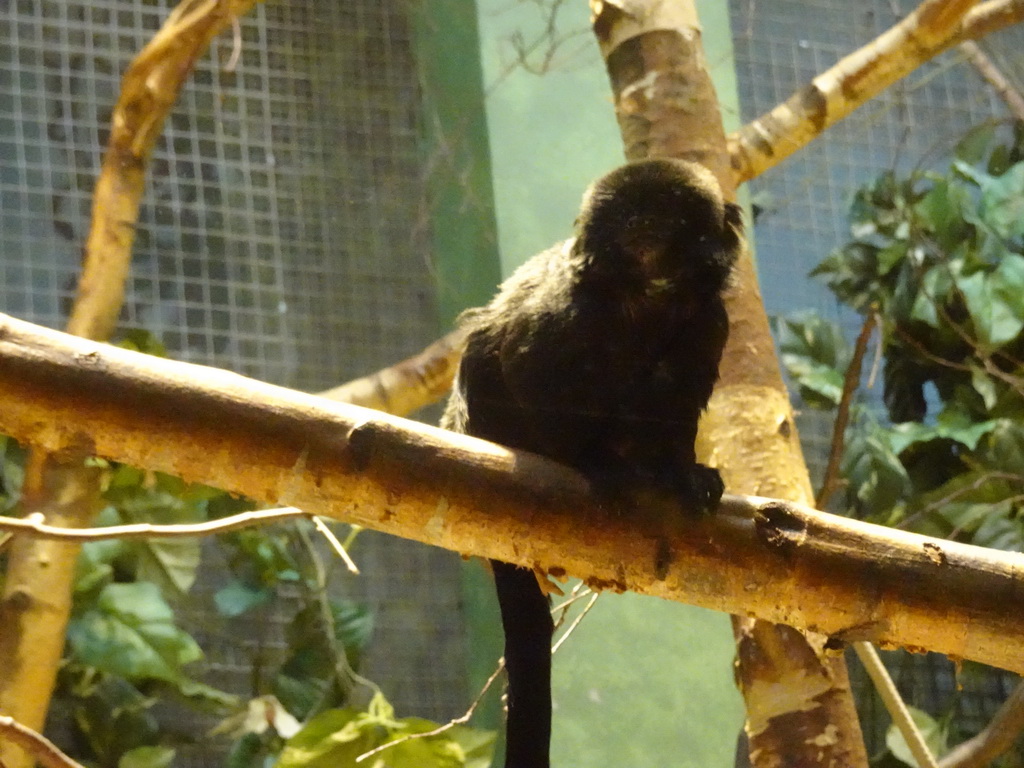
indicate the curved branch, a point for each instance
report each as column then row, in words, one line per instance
column 933, row 27
column 149, row 90
column 997, row 738
column 757, row 556
column 34, row 525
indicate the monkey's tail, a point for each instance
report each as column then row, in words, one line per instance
column 526, row 618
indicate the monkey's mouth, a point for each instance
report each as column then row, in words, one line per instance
column 654, row 263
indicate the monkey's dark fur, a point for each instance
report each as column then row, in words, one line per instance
column 601, row 354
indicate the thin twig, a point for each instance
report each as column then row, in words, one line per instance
column 576, row 622
column 236, row 45
column 338, row 547
column 468, row 714
column 895, row 705
column 461, row 720
column 34, row 526
column 850, row 382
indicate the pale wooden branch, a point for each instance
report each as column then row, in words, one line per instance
column 408, row 385
column 40, row 748
column 756, row 556
column 932, row 28
column 36, row 596
column 997, row 738
column 149, row 89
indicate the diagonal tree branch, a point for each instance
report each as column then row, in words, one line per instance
column 756, row 556
column 932, row 28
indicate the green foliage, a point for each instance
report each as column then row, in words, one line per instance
column 308, row 679
column 126, row 651
column 815, row 354
column 147, row 757
column 339, row 736
column 940, row 258
column 129, row 630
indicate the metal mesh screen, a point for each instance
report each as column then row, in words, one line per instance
column 803, row 202
column 282, row 236
column 780, row 46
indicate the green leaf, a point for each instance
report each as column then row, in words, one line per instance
column 306, row 677
column 170, row 563
column 204, row 696
column 997, row 314
column 934, row 737
column 851, row 273
column 964, row 518
column 942, row 211
column 139, row 340
column 1002, row 202
column 813, row 351
column 338, row 736
column 249, row 751
column 1004, row 450
column 984, row 385
column 95, row 565
column 930, row 293
column 173, row 562
column 235, row 598
column 147, row 757
column 332, row 738
column 131, row 632
column 950, row 424
column 877, row 479
column 477, row 745
column 974, row 145
column 1001, row 531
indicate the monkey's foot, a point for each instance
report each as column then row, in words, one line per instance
column 702, row 487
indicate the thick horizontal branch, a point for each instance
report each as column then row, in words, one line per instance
column 844, row 578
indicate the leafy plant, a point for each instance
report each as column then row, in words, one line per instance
column 940, row 259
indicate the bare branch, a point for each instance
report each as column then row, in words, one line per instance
column 991, row 74
column 34, row 525
column 933, row 27
column 997, row 737
column 408, row 385
column 850, row 382
column 756, row 556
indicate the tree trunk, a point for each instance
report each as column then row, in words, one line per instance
column 666, row 106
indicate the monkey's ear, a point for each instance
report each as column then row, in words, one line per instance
column 733, row 215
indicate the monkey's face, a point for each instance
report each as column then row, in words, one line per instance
column 658, row 225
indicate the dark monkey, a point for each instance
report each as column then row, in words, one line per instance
column 601, row 354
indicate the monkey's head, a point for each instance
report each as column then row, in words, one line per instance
column 661, row 223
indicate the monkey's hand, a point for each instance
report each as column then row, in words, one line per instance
column 701, row 487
